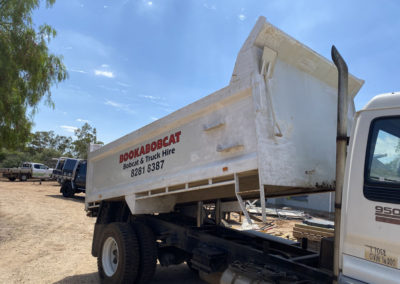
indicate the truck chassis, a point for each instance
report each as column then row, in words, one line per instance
column 212, row 249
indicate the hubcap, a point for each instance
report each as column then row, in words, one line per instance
column 110, row 256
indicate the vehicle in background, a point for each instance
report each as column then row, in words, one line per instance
column 73, row 177
column 57, row 171
column 26, row 171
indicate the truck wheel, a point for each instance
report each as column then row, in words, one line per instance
column 67, row 190
column 118, row 261
column 148, row 253
column 11, row 178
column 23, row 178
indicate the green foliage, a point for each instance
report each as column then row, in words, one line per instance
column 85, row 136
column 12, row 159
column 42, row 140
column 44, row 146
column 47, row 157
column 27, row 69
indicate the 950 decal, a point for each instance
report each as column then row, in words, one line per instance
column 387, row 215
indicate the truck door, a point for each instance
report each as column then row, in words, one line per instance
column 370, row 243
column 80, row 180
column 46, row 171
column 37, row 171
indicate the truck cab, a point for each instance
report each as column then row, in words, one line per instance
column 370, row 245
column 73, row 177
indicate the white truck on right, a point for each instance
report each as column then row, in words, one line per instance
column 278, row 129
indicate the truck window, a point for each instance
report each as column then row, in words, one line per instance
column 60, row 165
column 382, row 167
column 36, row 166
column 69, row 165
column 82, row 169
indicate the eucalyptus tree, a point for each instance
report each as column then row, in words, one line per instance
column 28, row 69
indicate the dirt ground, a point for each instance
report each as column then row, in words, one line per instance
column 45, row 238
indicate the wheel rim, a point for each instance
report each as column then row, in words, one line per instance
column 110, row 256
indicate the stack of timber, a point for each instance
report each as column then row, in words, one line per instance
column 312, row 233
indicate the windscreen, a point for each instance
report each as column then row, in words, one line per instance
column 60, row 164
column 69, row 165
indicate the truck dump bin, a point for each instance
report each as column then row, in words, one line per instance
column 271, row 132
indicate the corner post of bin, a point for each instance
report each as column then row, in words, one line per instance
column 240, row 200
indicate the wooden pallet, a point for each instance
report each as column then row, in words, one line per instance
column 312, row 233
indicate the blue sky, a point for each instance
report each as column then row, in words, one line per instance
column 131, row 62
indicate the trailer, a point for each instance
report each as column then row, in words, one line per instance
column 272, row 132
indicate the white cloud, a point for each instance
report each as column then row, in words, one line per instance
column 82, row 120
column 105, row 65
column 119, row 106
column 242, row 17
column 149, row 3
column 107, row 74
column 209, row 7
column 85, row 44
column 105, row 6
column 157, row 101
column 77, row 71
column 69, row 128
column 123, row 84
column 153, row 118
column 113, row 104
column 150, row 97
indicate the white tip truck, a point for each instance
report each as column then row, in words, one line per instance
column 278, row 129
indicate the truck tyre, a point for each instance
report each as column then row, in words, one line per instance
column 23, row 177
column 67, row 190
column 118, row 261
column 148, row 253
column 11, row 178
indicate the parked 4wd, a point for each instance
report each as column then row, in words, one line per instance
column 73, row 177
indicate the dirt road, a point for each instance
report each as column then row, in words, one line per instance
column 45, row 238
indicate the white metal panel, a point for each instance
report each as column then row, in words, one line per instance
column 360, row 231
column 200, row 152
column 305, row 111
column 369, row 272
column 388, row 100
